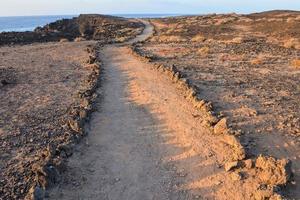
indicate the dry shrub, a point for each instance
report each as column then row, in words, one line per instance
column 158, row 24
column 170, row 31
column 290, row 19
column 121, row 39
column 63, row 40
column 236, row 40
column 204, row 51
column 79, row 39
column 171, row 38
column 296, row 63
column 292, row 43
column 154, row 39
column 245, row 20
column 221, row 21
column 198, row 38
column 274, row 20
column 180, row 26
column 273, row 40
column 256, row 61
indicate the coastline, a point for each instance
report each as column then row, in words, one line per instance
column 248, row 72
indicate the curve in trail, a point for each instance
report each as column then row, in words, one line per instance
column 145, row 140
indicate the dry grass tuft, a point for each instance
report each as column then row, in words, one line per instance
column 290, row 20
column 121, row 39
column 292, row 43
column 256, row 61
column 79, row 39
column 63, row 40
column 171, row 38
column 198, row 38
column 204, row 51
column 236, row 40
column 296, row 63
column 274, row 20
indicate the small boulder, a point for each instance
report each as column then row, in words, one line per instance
column 230, row 165
column 273, row 171
column 236, row 176
column 221, row 127
column 248, row 163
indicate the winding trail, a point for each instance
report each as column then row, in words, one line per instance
column 145, row 140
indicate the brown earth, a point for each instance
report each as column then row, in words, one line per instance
column 147, row 141
column 46, row 94
column 152, row 136
column 39, row 86
column 246, row 65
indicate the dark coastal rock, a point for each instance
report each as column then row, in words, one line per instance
column 96, row 27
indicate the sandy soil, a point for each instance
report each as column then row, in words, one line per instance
column 139, row 146
column 243, row 64
column 147, row 141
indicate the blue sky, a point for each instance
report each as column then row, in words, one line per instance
column 56, row 7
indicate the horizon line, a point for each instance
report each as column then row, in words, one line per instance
column 114, row 14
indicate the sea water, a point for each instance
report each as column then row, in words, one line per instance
column 29, row 23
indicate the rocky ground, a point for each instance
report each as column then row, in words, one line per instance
column 39, row 91
column 142, row 145
column 84, row 27
column 235, row 77
column 46, row 92
column 248, row 67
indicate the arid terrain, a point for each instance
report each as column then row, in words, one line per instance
column 46, row 93
column 37, row 91
column 198, row 107
column 248, row 67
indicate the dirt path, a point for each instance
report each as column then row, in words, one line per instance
column 145, row 141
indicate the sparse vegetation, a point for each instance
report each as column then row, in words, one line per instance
column 198, row 38
column 171, row 38
column 237, row 40
column 46, row 95
column 79, row 39
column 204, row 51
column 292, row 43
column 238, row 77
column 244, row 69
column 296, row 63
column 63, row 40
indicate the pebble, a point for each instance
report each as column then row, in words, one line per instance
column 236, row 176
column 230, row 165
